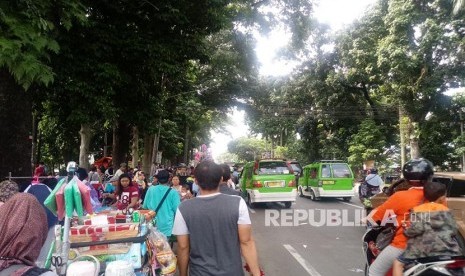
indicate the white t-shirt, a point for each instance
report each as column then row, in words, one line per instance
column 180, row 227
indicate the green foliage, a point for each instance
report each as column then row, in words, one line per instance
column 366, row 144
column 188, row 62
column 398, row 53
column 227, row 157
column 28, row 37
column 247, row 149
column 281, row 152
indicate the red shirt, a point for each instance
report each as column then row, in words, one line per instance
column 39, row 171
column 125, row 198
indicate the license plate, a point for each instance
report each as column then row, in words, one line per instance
column 272, row 184
column 328, row 182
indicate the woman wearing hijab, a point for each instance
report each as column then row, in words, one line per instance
column 8, row 189
column 23, row 228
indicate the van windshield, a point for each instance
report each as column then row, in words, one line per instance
column 341, row 171
column 273, row 168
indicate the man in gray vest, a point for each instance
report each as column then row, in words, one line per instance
column 226, row 176
column 213, row 230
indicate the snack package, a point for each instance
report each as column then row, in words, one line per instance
column 160, row 252
column 60, row 202
column 50, row 201
column 84, row 196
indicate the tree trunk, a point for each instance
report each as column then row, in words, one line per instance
column 135, row 147
column 16, row 124
column 39, row 145
column 147, row 157
column 156, row 142
column 186, row 145
column 372, row 104
column 414, row 138
column 105, row 147
column 34, row 154
column 121, row 137
column 403, row 125
column 414, row 148
column 86, row 134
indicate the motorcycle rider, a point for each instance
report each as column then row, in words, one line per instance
column 369, row 188
column 417, row 172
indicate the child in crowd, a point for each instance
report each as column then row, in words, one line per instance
column 185, row 192
column 109, row 195
column 432, row 229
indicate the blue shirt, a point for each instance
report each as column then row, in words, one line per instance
column 41, row 192
column 167, row 211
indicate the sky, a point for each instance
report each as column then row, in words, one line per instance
column 335, row 13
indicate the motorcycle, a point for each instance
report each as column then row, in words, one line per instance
column 431, row 266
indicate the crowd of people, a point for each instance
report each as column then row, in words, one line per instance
column 184, row 211
column 200, row 209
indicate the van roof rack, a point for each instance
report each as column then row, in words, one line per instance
column 330, row 161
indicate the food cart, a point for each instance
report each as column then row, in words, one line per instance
column 105, row 236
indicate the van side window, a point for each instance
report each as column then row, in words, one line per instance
column 313, row 173
column 325, row 171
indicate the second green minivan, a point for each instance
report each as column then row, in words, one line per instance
column 327, row 178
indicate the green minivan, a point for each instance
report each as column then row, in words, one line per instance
column 327, row 178
column 268, row 181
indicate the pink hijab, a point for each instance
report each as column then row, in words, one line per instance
column 23, row 230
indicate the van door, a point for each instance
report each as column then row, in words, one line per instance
column 248, row 177
column 303, row 181
column 244, row 179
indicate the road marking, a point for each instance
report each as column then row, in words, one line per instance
column 308, row 267
column 251, row 210
column 353, row 205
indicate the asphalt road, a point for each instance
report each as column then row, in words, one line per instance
column 303, row 248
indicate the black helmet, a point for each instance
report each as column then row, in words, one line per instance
column 374, row 171
column 418, row 169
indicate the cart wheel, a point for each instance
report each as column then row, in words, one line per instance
column 287, row 204
column 347, row 198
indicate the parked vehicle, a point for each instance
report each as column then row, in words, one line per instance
column 327, row 178
column 268, row 180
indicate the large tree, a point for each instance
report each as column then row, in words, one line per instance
column 28, row 32
column 419, row 59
